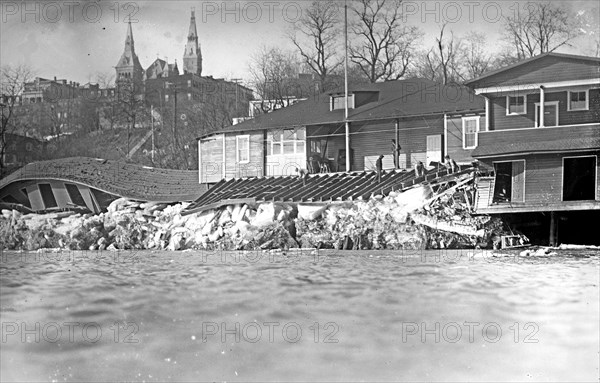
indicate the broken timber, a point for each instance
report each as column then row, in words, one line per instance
column 316, row 188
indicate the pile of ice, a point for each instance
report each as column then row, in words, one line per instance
column 398, row 221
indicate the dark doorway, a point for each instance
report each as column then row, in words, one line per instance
column 503, row 184
column 579, row 178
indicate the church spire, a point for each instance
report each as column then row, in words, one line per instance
column 129, row 66
column 193, row 34
column 192, row 57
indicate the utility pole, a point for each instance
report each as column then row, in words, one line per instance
column 347, row 124
column 236, row 80
column 174, row 115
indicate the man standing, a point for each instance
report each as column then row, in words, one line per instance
column 419, row 170
column 396, row 153
column 379, row 166
column 450, row 164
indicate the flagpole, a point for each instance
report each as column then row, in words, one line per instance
column 347, row 124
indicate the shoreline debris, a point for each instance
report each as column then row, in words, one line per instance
column 426, row 216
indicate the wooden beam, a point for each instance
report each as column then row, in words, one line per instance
column 216, row 205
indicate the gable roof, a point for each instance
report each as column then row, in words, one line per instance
column 547, row 67
column 396, row 99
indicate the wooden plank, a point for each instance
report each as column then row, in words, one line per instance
column 216, row 205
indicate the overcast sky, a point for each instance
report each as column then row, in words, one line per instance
column 76, row 39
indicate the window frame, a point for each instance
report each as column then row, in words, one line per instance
column 464, row 134
column 271, row 143
column 342, row 98
column 237, row 149
column 587, row 100
column 509, row 113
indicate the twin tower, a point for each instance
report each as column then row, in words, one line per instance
column 129, row 67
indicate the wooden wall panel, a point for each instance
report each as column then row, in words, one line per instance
column 500, row 121
column 454, row 140
column 211, row 161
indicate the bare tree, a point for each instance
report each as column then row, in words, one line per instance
column 476, row 61
column 12, row 85
column 540, row 28
column 383, row 48
column 442, row 62
column 316, row 36
column 131, row 107
column 274, row 77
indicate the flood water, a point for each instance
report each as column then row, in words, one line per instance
column 298, row 316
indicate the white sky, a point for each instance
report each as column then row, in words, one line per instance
column 75, row 39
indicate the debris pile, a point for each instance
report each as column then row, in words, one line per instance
column 419, row 218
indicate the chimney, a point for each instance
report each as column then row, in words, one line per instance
column 55, row 78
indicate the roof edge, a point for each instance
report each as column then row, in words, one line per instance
column 528, row 60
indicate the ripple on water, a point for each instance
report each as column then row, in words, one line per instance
column 368, row 295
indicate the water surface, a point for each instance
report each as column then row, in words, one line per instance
column 327, row 316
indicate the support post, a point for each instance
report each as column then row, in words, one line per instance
column 553, row 223
column 396, row 151
column 542, row 99
column 488, row 110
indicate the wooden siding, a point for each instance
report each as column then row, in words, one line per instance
column 543, row 69
column 215, row 166
column 543, row 185
column 454, row 139
column 211, row 159
column 254, row 168
column 548, row 134
column 373, row 139
column 413, row 138
column 500, row 121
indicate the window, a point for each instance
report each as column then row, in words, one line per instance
column 286, row 141
column 242, row 144
column 189, row 83
column 579, row 178
column 338, row 102
column 47, row 196
column 516, row 105
column 470, row 127
column 189, row 96
column 29, row 146
column 75, row 195
column 166, row 97
column 578, row 100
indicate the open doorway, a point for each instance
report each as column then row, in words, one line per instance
column 509, row 185
column 579, row 178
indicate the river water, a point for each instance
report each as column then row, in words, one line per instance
column 297, row 316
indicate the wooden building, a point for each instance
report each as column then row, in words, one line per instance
column 541, row 136
column 428, row 120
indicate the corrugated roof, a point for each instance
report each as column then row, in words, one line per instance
column 118, row 178
column 397, row 99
